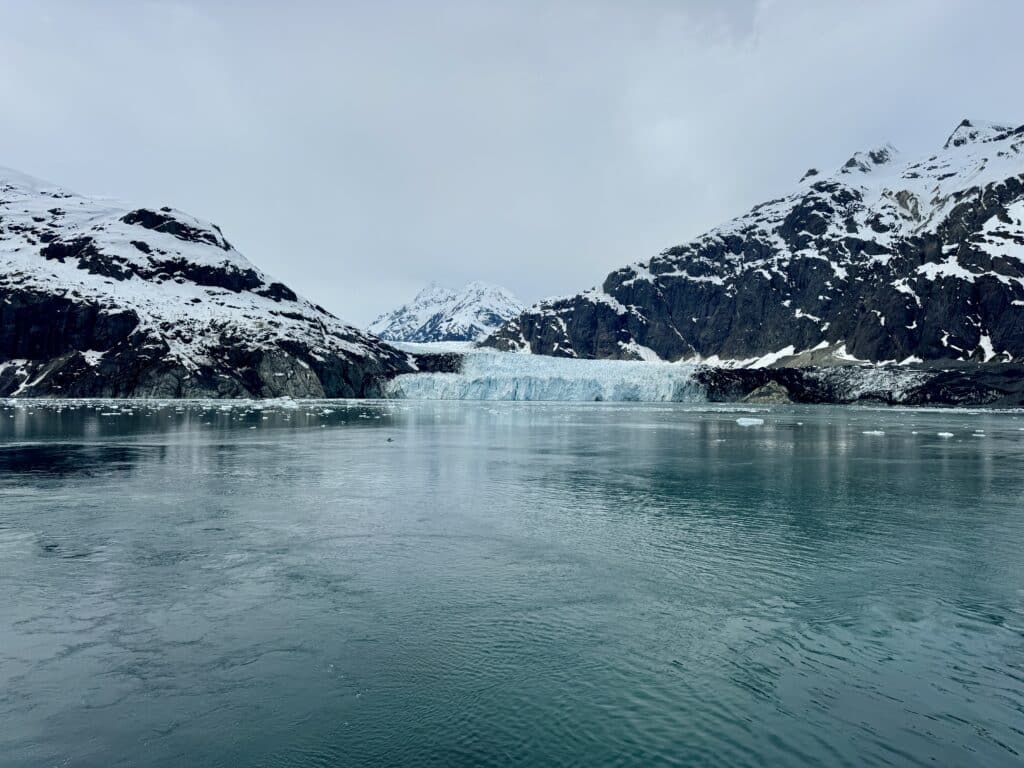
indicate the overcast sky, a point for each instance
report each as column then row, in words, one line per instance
column 358, row 150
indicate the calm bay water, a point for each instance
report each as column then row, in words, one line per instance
column 509, row 584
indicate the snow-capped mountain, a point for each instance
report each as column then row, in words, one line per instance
column 882, row 260
column 441, row 314
column 99, row 299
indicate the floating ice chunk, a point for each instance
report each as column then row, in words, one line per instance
column 872, row 432
column 945, row 434
column 749, row 421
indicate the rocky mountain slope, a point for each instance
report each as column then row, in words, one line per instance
column 99, row 299
column 883, row 260
column 440, row 314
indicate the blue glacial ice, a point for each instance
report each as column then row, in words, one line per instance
column 490, row 375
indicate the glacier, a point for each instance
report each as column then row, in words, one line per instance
column 487, row 374
column 491, row 375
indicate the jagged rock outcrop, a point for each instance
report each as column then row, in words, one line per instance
column 881, row 261
column 972, row 384
column 98, row 300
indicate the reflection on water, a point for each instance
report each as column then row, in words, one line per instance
column 535, row 584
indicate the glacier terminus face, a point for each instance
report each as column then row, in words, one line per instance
column 488, row 375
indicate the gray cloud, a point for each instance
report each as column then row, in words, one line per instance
column 359, row 150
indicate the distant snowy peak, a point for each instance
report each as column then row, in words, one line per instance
column 433, row 295
column 976, row 131
column 866, row 162
column 441, row 314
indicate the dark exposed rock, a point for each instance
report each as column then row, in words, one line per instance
column 993, row 385
column 86, row 255
column 38, row 326
column 51, row 340
column 165, row 222
column 439, row 362
column 771, row 393
column 279, row 292
column 218, row 276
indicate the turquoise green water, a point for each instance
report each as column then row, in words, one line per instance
column 509, row 584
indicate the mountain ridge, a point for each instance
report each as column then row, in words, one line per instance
column 99, row 298
column 883, row 260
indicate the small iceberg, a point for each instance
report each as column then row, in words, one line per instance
column 749, row 421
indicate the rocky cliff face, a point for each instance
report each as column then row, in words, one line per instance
column 440, row 314
column 98, row 299
column 883, row 260
column 996, row 385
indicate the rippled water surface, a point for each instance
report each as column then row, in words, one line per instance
column 509, row 584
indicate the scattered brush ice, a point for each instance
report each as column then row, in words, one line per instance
column 875, row 432
column 749, row 421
